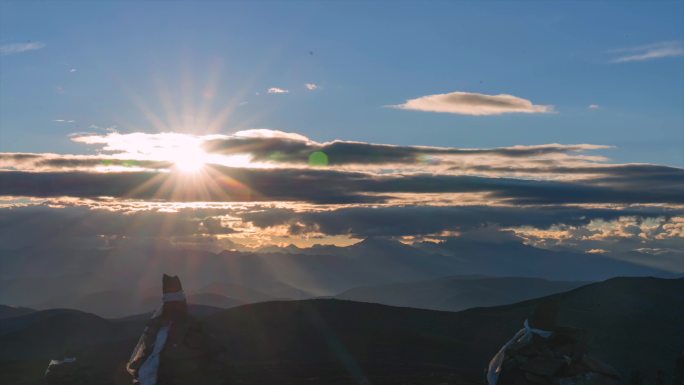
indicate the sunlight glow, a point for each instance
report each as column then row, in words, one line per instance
column 191, row 162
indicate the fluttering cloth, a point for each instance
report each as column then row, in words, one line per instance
column 147, row 374
column 523, row 336
column 148, row 371
column 174, row 296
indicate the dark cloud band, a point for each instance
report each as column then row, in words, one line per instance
column 330, row 186
column 37, row 162
column 283, row 150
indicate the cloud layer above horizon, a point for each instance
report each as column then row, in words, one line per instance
column 260, row 187
column 269, row 165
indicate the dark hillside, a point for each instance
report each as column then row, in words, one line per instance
column 633, row 323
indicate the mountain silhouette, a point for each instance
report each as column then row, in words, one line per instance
column 459, row 292
column 13, row 311
column 632, row 323
column 88, row 278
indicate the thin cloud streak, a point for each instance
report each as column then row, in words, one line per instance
column 16, row 48
column 277, row 90
column 649, row 52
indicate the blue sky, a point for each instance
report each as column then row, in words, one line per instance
column 362, row 56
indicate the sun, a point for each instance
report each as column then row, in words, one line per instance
column 189, row 164
column 189, row 159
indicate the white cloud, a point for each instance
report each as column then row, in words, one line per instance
column 597, row 251
column 654, row 250
column 468, row 103
column 72, row 70
column 14, row 48
column 311, row 86
column 594, row 107
column 276, row 90
column 649, row 52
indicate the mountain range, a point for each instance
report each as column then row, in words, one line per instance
column 458, row 293
column 127, row 277
column 13, row 311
